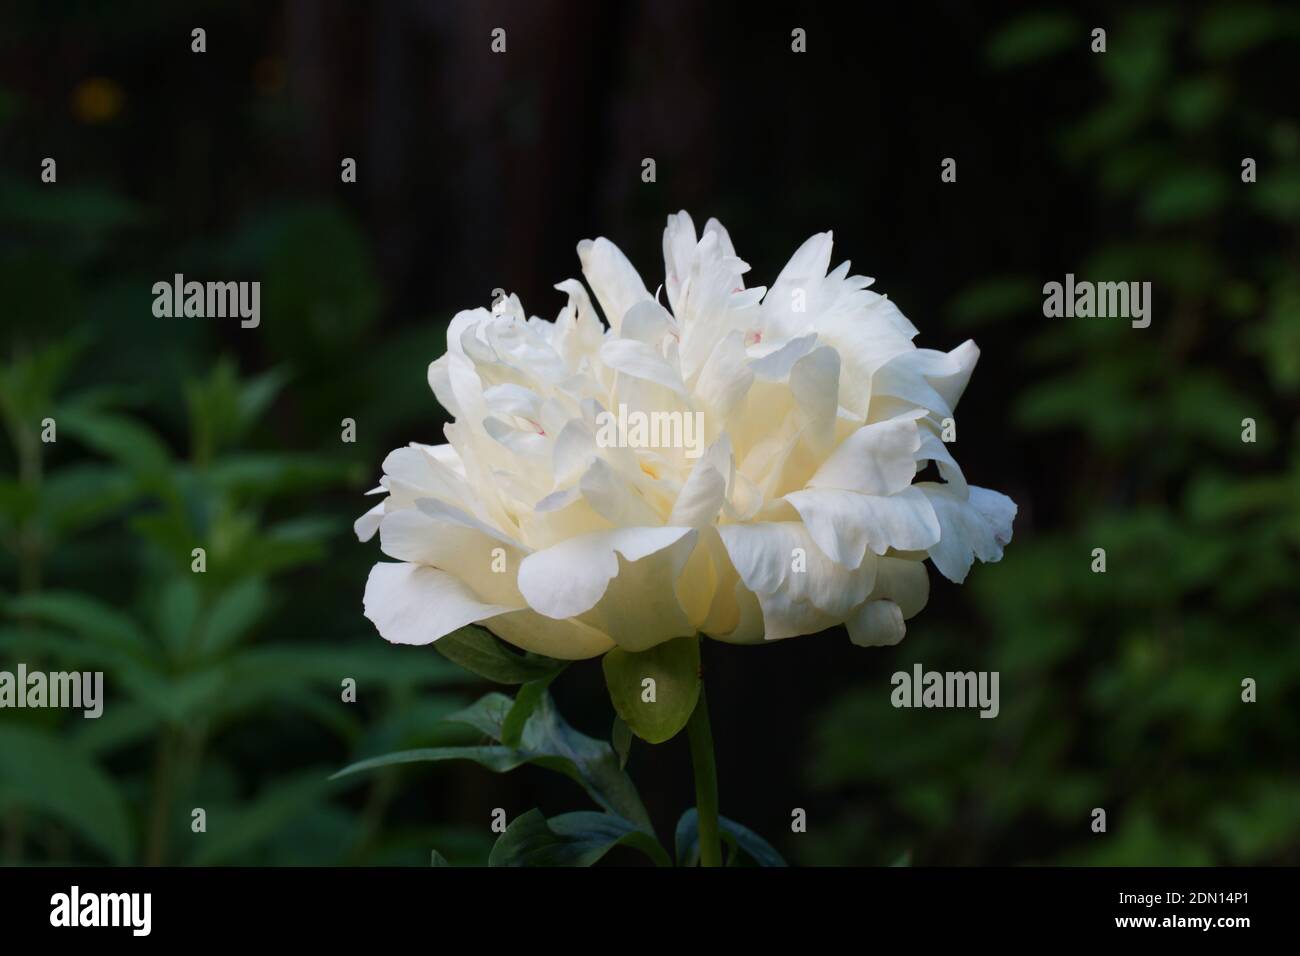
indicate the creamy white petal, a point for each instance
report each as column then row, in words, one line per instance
column 570, row 578
column 815, row 384
column 903, row 581
column 974, row 527
column 641, row 361
column 877, row 624
column 366, row 526
column 785, row 617
column 929, row 379
column 413, row 604
column 725, row 379
column 705, row 491
column 482, row 560
column 933, row 449
column 614, row 498
column 845, row 524
column 780, row 558
column 569, row 640
column 877, row 459
column 616, row 283
column 777, row 362
column 414, row 472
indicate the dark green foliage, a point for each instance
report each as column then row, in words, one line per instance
column 1123, row 690
column 223, row 688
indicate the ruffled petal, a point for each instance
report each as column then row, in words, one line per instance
column 622, row 582
column 414, row 604
column 845, row 524
column 975, row 527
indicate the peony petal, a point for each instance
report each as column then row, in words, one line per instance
column 974, row 527
column 569, row 640
column 903, row 581
column 640, row 360
column 935, row 450
column 705, row 490
column 725, row 379
column 623, row 580
column 748, row 619
column 679, row 254
column 807, row 266
column 616, row 283
column 927, row 378
column 416, row 472
column 815, row 382
column 781, row 564
column 614, row 498
column 413, row 604
column 366, row 526
column 784, row 617
column 878, row 459
column 877, row 624
column 775, row 365
column 844, row 524
column 485, row 564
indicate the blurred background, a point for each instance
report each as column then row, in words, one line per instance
column 476, row 171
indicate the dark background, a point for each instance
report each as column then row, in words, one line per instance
column 478, row 170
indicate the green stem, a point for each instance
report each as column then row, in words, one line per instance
column 160, row 805
column 706, row 782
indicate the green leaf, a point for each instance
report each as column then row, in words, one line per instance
column 741, row 840
column 121, row 438
column 86, row 617
column 547, row 741
column 79, row 495
column 495, row 758
column 750, row 843
column 176, row 613
column 481, row 653
column 257, row 394
column 674, row 666
column 29, row 381
column 49, row 777
column 232, row 615
column 526, row 701
column 620, row 739
column 571, row 839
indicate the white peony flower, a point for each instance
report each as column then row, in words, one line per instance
column 728, row 461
